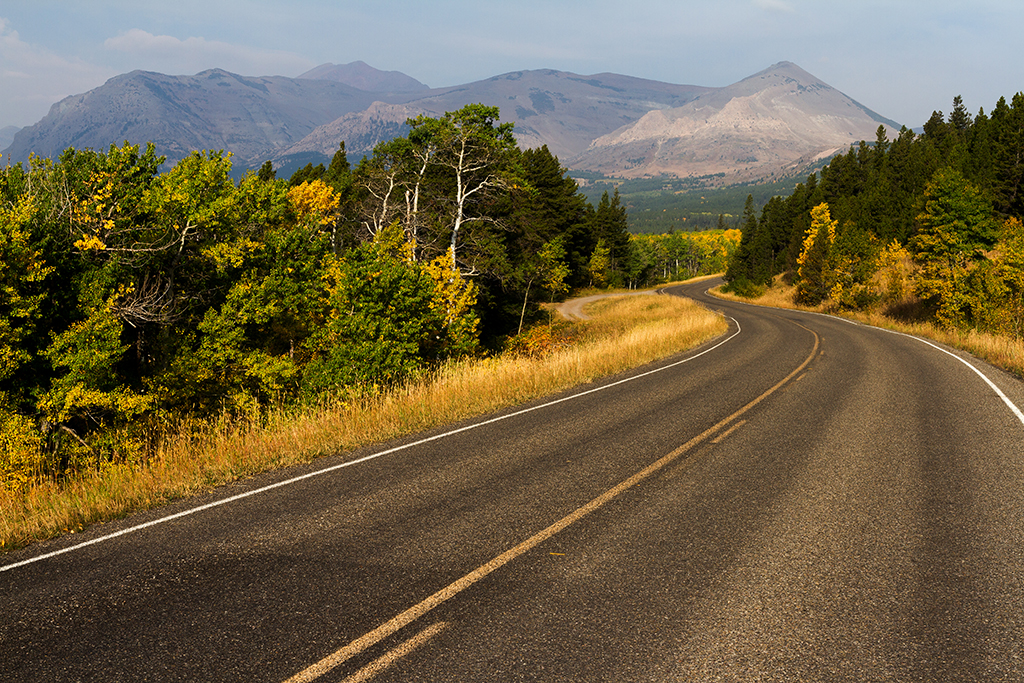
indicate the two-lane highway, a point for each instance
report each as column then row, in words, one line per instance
column 802, row 499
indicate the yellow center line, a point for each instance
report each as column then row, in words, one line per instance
column 378, row 665
column 729, row 431
column 415, row 612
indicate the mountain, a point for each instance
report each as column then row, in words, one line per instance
column 7, row 134
column 563, row 110
column 215, row 109
column 775, row 122
column 363, row 76
column 771, row 124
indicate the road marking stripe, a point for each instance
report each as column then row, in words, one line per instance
column 415, row 612
column 378, row 665
column 372, row 456
column 992, row 385
column 730, row 430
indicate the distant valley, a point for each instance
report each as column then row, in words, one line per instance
column 772, row 125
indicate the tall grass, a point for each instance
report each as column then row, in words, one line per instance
column 621, row 333
column 1003, row 352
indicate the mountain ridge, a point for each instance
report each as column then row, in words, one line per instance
column 621, row 126
column 361, row 75
column 544, row 104
column 774, row 122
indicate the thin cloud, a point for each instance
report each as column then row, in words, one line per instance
column 35, row 78
column 774, row 6
column 191, row 55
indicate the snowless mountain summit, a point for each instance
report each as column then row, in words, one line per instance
column 772, row 123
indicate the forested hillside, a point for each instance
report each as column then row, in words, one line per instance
column 924, row 227
column 132, row 299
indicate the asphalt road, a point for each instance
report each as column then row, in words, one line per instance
column 803, row 499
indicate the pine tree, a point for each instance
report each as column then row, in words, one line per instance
column 815, row 274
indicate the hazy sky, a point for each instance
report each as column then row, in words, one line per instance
column 901, row 58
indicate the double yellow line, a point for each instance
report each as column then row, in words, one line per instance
column 413, row 613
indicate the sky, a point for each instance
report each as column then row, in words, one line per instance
column 903, row 59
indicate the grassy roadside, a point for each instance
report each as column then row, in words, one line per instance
column 621, row 333
column 1002, row 352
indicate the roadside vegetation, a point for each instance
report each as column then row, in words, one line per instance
column 621, row 333
column 154, row 320
column 1002, row 351
column 923, row 234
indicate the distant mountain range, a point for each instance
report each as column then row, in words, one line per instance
column 771, row 124
column 7, row 136
column 363, row 76
column 776, row 122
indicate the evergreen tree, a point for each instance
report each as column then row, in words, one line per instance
column 267, row 173
column 959, row 119
column 956, row 226
column 610, row 225
column 338, row 174
column 307, row 173
column 1008, row 157
column 553, row 208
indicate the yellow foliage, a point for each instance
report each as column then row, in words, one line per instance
column 454, row 295
column 90, row 243
column 96, row 210
column 818, row 268
column 233, row 254
column 17, row 241
column 19, row 213
column 820, row 218
column 19, row 450
column 314, row 201
column 894, row 266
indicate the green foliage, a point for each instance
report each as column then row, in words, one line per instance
column 682, row 255
column 307, row 174
column 553, row 270
column 381, row 324
column 1010, row 271
column 600, row 260
column 956, row 227
column 88, row 398
column 21, row 281
column 132, row 298
column 742, row 286
column 936, row 202
column 267, row 174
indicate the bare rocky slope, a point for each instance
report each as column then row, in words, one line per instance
column 562, row 110
column 773, row 123
column 250, row 117
column 770, row 124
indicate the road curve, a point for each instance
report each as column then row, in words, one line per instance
column 803, row 499
column 572, row 309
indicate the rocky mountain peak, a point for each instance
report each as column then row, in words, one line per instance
column 772, row 123
column 768, row 124
column 363, row 76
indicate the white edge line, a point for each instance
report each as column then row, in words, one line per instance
column 372, row 456
column 992, row 385
column 999, row 392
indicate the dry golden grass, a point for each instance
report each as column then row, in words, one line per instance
column 1003, row 352
column 622, row 333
